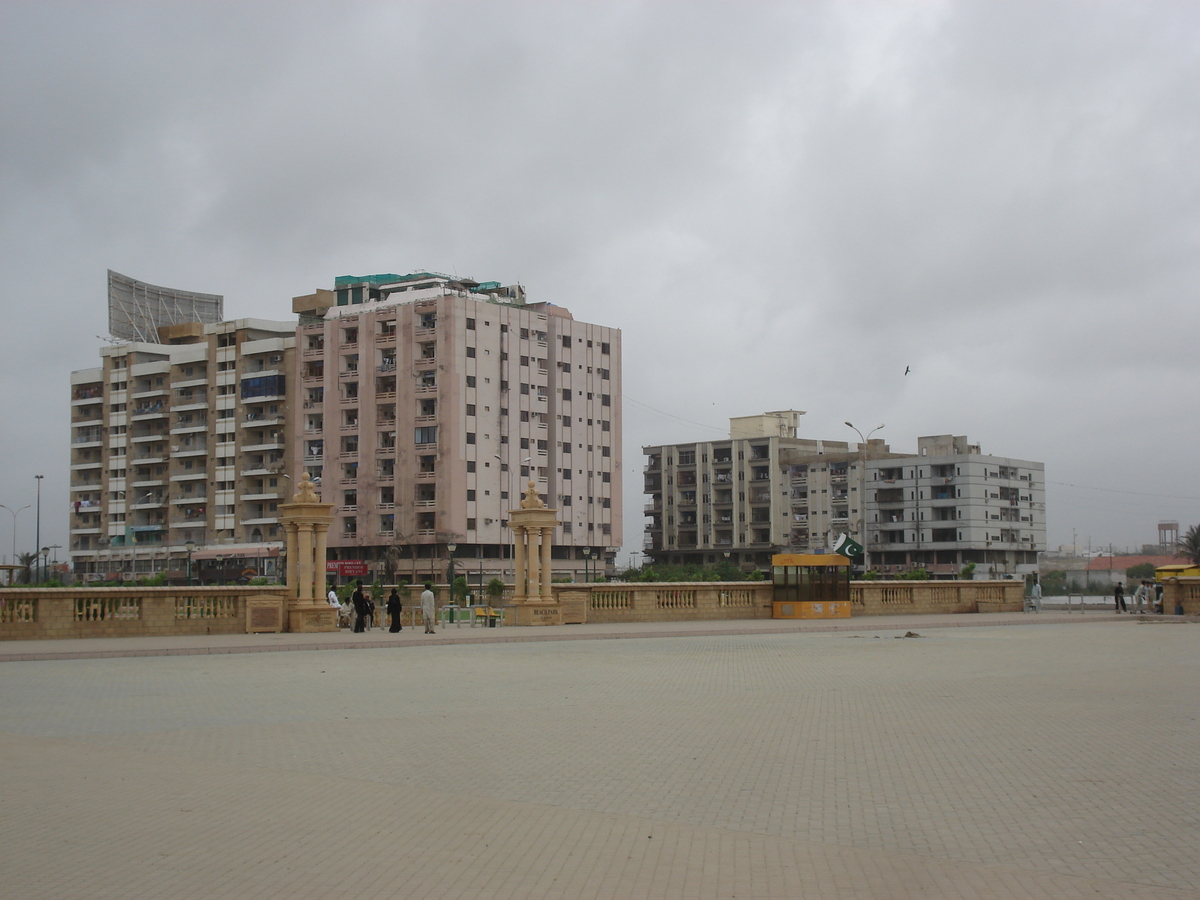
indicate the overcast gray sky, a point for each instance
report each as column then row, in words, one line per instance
column 782, row 205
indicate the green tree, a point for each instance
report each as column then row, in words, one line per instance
column 495, row 590
column 26, row 560
column 1189, row 545
column 1140, row 571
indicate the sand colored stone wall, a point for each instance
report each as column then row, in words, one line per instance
column 690, row 601
column 30, row 614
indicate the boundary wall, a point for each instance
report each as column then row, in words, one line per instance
column 33, row 613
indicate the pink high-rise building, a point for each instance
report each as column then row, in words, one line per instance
column 426, row 404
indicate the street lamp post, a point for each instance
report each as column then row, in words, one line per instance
column 862, row 490
column 451, row 547
column 14, row 534
column 587, row 556
column 191, row 545
column 37, row 539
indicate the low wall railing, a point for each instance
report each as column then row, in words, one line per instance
column 33, row 613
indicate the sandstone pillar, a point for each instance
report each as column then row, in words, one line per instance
column 533, row 529
column 305, row 522
column 519, row 592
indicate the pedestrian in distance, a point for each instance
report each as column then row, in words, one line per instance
column 332, row 597
column 428, row 607
column 393, row 611
column 361, row 610
column 1158, row 604
column 1119, row 598
column 1138, row 596
column 1035, row 596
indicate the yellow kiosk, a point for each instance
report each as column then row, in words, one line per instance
column 810, row 586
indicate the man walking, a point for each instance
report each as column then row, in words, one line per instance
column 1119, row 598
column 428, row 607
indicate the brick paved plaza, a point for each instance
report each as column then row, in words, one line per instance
column 1040, row 760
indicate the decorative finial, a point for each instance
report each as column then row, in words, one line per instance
column 305, row 492
column 532, row 500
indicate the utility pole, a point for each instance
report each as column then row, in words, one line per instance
column 37, row 541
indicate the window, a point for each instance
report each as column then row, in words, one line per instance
column 524, row 443
column 470, row 353
column 566, row 339
column 426, row 435
column 470, row 496
column 266, row 386
column 605, row 451
column 524, row 388
column 470, row 409
column 470, row 437
column 566, row 393
column 605, row 425
column 605, row 477
column 470, row 324
column 525, row 334
column 470, row 524
column 470, row 381
column 604, row 347
column 470, row 465
column 605, row 400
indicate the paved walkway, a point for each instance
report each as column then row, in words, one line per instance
column 377, row 638
column 1053, row 758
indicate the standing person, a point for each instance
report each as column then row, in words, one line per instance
column 1158, row 606
column 393, row 611
column 1138, row 596
column 332, row 597
column 360, row 608
column 428, row 607
column 1119, row 598
column 1035, row 596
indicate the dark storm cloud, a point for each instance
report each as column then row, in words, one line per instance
column 782, row 205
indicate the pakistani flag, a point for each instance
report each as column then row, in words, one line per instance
column 847, row 546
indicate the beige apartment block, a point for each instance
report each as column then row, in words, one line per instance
column 184, row 440
column 767, row 491
column 427, row 402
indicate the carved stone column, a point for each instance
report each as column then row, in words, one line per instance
column 547, row 543
column 534, row 591
column 305, row 522
column 293, row 554
column 519, row 592
column 533, row 528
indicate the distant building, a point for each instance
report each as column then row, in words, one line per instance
column 766, row 491
column 182, row 440
column 426, row 403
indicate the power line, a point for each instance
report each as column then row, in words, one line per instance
column 670, row 416
column 1086, row 487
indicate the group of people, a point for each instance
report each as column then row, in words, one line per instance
column 362, row 609
column 1147, row 592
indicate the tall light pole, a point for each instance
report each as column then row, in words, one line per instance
column 451, row 547
column 14, row 517
column 37, row 541
column 862, row 490
column 587, row 556
column 191, row 545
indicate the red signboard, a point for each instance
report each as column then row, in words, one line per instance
column 346, row 568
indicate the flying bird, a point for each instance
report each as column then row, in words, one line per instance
column 907, row 370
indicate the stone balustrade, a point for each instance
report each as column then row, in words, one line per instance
column 71, row 612
column 31, row 613
column 661, row 602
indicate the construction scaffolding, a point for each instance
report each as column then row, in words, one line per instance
column 137, row 310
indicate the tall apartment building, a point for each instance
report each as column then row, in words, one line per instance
column 182, row 440
column 766, row 491
column 428, row 402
